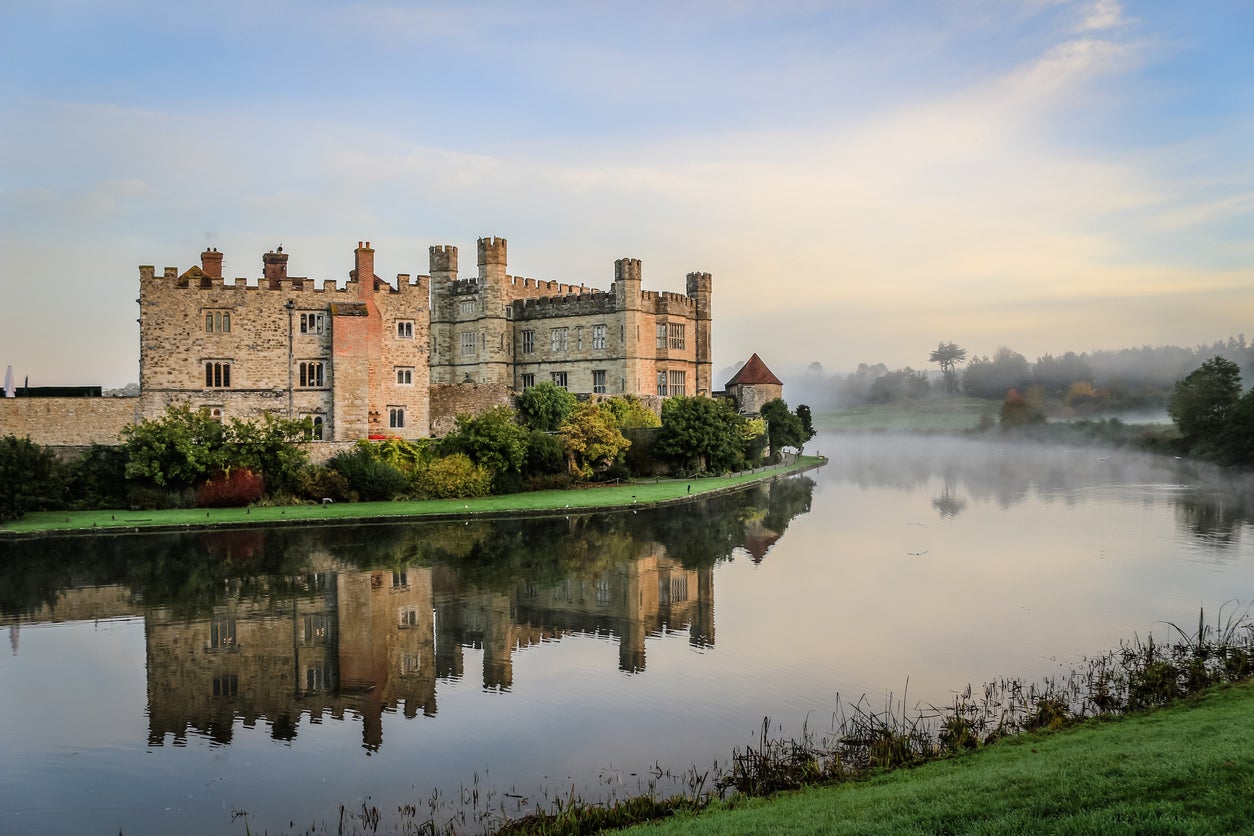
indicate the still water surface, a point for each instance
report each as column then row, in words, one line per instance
column 206, row 682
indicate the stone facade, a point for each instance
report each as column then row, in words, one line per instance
column 68, row 422
column 374, row 359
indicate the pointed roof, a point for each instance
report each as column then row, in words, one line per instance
column 754, row 371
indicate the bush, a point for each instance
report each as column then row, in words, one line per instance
column 371, row 479
column 98, row 478
column 454, row 477
column 319, row 483
column 31, row 478
column 235, row 489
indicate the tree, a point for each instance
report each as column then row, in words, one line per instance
column 783, row 428
column 270, row 448
column 948, row 356
column 807, row 421
column 592, row 439
column 31, row 477
column 545, row 406
column 492, row 438
column 993, row 378
column 902, row 385
column 1200, row 403
column 630, row 413
column 455, row 476
column 701, row 433
column 178, row 450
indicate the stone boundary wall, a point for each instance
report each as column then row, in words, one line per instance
column 68, row 422
column 448, row 400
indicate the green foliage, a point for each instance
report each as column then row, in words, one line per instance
column 492, row 439
column 269, row 448
column 807, row 421
column 545, row 406
column 1200, row 403
column 178, row 450
column 630, row 412
column 321, row 482
column 592, row 439
column 31, row 478
column 701, row 433
column 372, row 480
column 546, row 454
column 409, row 457
column 98, row 478
column 1236, row 440
column 455, row 476
column 783, row 427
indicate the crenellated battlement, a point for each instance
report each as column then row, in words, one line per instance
column 572, row 304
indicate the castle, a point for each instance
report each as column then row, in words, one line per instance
column 375, row 359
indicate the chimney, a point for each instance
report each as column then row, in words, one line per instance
column 276, row 268
column 211, row 263
column 364, row 260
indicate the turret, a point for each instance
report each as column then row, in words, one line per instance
column 627, row 281
column 443, row 263
column 492, row 261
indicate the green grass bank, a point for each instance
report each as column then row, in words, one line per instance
column 640, row 494
column 1187, row 768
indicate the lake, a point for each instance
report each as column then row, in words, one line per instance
column 295, row 680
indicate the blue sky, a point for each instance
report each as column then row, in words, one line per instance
column 862, row 179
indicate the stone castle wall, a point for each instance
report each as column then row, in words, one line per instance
column 67, row 421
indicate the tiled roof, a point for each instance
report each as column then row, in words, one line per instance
column 754, row 371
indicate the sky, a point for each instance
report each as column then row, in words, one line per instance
column 863, row 178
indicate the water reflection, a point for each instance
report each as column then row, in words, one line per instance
column 290, row 627
column 1211, row 504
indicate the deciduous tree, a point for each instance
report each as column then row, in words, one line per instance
column 1200, row 403
column 545, row 406
column 948, row 356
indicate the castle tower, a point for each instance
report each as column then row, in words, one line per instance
column 628, row 299
column 699, row 290
column 492, row 260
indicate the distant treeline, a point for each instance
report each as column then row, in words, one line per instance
column 1125, row 379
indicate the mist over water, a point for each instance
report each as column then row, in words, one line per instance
column 171, row 682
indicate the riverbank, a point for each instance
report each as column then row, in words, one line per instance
column 650, row 493
column 1186, row 768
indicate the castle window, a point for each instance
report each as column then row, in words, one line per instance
column 579, row 338
column 677, row 335
column 678, row 383
column 528, row 342
column 226, row 685
column 218, row 322
column 317, row 629
column 311, row 374
column 528, row 380
column 661, row 384
column 405, row 329
column 404, row 377
column 598, row 381
column 559, row 338
column 559, row 379
column 215, row 413
column 468, row 344
column 313, row 323
column 661, row 335
column 396, row 417
column 467, row 306
column 316, row 426
column 598, row 336
column 222, row 633
column 217, row 375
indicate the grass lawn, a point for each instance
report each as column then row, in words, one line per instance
column 641, row 493
column 1188, row 768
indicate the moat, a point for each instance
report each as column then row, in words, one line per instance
column 213, row 681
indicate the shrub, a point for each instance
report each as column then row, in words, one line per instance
column 321, row 482
column 455, row 476
column 98, row 478
column 371, row 479
column 233, row 489
column 31, row 478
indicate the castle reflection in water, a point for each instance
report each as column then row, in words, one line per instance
column 290, row 627
column 340, row 640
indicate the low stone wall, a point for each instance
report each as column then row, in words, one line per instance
column 448, row 400
column 67, row 422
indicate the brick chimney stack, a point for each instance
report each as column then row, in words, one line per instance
column 211, row 263
column 364, row 259
column 276, row 268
